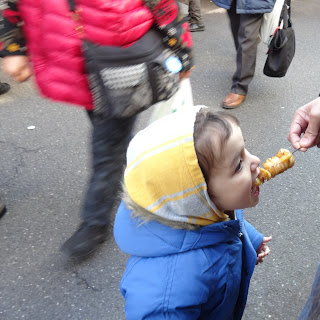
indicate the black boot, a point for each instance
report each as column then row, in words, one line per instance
column 84, row 241
column 4, row 87
column 196, row 27
column 3, row 208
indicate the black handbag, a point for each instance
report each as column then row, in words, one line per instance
column 126, row 81
column 282, row 45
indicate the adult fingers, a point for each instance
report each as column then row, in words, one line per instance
column 312, row 136
column 308, row 117
column 299, row 124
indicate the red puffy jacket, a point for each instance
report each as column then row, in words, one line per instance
column 54, row 45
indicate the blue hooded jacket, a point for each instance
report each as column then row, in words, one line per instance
column 183, row 274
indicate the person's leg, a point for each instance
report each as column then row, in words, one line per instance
column 196, row 22
column 246, row 52
column 109, row 145
column 110, row 139
column 245, row 29
column 311, row 310
column 234, row 20
column 4, row 87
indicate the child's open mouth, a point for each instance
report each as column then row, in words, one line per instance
column 255, row 191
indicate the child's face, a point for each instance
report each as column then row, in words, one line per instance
column 231, row 181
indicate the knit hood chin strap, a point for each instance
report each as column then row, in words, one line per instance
column 163, row 175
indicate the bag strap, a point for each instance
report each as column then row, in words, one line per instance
column 285, row 15
column 75, row 15
column 72, row 5
column 289, row 9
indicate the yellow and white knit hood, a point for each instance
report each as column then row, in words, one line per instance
column 163, row 175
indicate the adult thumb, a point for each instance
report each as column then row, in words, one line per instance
column 308, row 140
column 311, row 134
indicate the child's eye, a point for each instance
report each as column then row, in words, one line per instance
column 239, row 166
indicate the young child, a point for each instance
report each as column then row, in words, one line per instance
column 192, row 252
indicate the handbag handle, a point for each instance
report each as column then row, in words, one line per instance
column 285, row 15
column 279, row 41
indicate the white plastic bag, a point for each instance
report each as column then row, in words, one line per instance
column 182, row 99
column 270, row 22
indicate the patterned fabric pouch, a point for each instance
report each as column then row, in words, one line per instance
column 126, row 81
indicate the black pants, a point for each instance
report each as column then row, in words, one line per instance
column 245, row 30
column 110, row 139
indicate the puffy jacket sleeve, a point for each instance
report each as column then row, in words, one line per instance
column 11, row 37
column 162, row 288
column 254, row 236
column 169, row 19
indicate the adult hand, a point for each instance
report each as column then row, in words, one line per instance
column 306, row 120
column 17, row 67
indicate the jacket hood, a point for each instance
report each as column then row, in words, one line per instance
column 163, row 175
column 154, row 239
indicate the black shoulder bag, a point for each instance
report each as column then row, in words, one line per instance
column 282, row 45
column 126, row 81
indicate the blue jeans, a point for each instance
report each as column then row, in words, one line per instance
column 110, row 139
column 311, row 310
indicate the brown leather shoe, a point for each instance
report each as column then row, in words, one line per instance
column 233, row 100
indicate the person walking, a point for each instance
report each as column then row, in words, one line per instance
column 52, row 43
column 245, row 21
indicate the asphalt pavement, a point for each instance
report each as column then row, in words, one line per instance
column 45, row 165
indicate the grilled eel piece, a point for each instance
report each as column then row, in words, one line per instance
column 275, row 165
